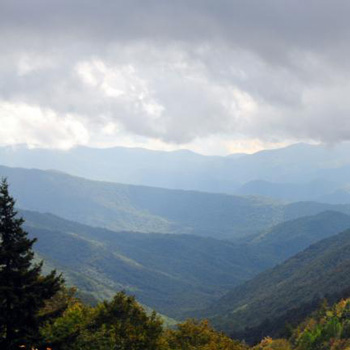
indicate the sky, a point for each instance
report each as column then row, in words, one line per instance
column 213, row 76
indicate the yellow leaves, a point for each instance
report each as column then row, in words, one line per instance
column 119, row 324
column 329, row 328
column 271, row 344
column 73, row 319
column 329, row 313
column 199, row 335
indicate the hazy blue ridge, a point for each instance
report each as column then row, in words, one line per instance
column 146, row 209
column 295, row 173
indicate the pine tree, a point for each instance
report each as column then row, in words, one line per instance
column 23, row 290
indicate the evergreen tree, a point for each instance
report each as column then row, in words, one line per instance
column 23, row 290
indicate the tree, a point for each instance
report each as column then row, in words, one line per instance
column 199, row 335
column 23, row 290
column 128, row 323
column 119, row 324
column 273, row 344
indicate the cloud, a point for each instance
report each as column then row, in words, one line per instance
column 176, row 73
column 21, row 123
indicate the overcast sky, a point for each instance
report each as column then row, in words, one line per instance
column 214, row 76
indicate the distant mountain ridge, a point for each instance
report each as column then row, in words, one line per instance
column 145, row 209
column 138, row 208
column 294, row 173
column 181, row 169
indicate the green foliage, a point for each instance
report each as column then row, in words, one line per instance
column 320, row 270
column 70, row 330
column 326, row 329
column 198, row 335
column 120, row 324
column 273, row 344
column 132, row 328
column 55, row 306
column 23, row 290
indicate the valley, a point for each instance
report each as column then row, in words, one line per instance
column 238, row 260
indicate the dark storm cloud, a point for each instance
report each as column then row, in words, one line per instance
column 268, row 27
column 181, row 70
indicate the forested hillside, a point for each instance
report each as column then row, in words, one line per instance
column 290, row 237
column 175, row 266
column 147, row 209
column 321, row 269
column 175, row 274
column 171, row 273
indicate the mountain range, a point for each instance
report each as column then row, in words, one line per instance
column 175, row 274
column 146, row 209
column 300, row 172
column 239, row 257
column 171, row 273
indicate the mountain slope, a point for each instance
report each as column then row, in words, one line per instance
column 313, row 190
column 136, row 208
column 288, row 238
column 321, row 269
column 146, row 209
column 172, row 273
